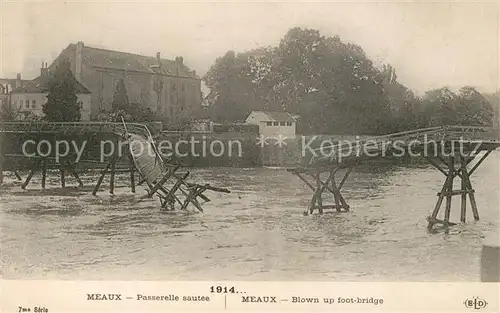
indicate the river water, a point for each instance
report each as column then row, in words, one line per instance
column 257, row 232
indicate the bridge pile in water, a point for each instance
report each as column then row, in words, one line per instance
column 450, row 149
column 161, row 176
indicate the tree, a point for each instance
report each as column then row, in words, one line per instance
column 62, row 96
column 440, row 107
column 346, row 88
column 332, row 85
column 8, row 113
column 473, row 108
column 233, row 79
column 139, row 113
column 468, row 107
column 120, row 99
column 494, row 100
column 404, row 104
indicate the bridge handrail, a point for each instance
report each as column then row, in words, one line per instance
column 419, row 132
column 448, row 132
column 40, row 125
column 384, row 138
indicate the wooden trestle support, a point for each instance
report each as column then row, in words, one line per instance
column 312, row 177
column 161, row 177
column 455, row 165
column 451, row 164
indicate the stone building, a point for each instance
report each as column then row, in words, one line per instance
column 167, row 87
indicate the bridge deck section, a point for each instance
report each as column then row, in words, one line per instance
column 478, row 138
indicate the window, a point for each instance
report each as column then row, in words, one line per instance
column 269, row 123
column 33, row 104
column 288, row 123
column 282, row 123
column 21, row 103
column 276, row 123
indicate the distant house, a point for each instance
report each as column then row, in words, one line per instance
column 30, row 96
column 273, row 124
column 494, row 100
column 6, row 86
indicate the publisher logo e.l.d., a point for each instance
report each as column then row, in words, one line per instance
column 475, row 303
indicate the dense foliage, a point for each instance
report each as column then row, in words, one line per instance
column 121, row 107
column 62, row 100
column 333, row 87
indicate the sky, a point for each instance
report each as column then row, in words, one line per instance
column 430, row 44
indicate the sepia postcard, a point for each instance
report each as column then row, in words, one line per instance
column 200, row 156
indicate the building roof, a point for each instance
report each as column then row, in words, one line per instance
column 11, row 81
column 111, row 59
column 41, row 84
column 277, row 116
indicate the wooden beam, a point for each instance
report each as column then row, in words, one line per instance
column 479, row 162
column 325, row 184
column 177, row 184
column 141, row 181
column 463, row 203
column 472, row 198
column 44, row 172
column 451, row 175
column 319, row 201
column 435, row 212
column 72, row 170
column 99, row 181
column 199, row 194
column 437, row 166
column 162, row 181
column 345, row 177
column 335, row 192
column 62, row 174
column 189, row 199
column 132, row 171
column 171, row 200
column 30, row 175
column 112, row 176
column 457, row 192
column 305, row 181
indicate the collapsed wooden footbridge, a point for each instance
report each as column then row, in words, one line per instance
column 132, row 149
column 452, row 150
column 455, row 151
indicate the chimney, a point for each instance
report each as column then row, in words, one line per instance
column 18, row 80
column 179, row 60
column 78, row 61
column 158, row 60
column 44, row 70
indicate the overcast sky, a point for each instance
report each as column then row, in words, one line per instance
column 430, row 44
